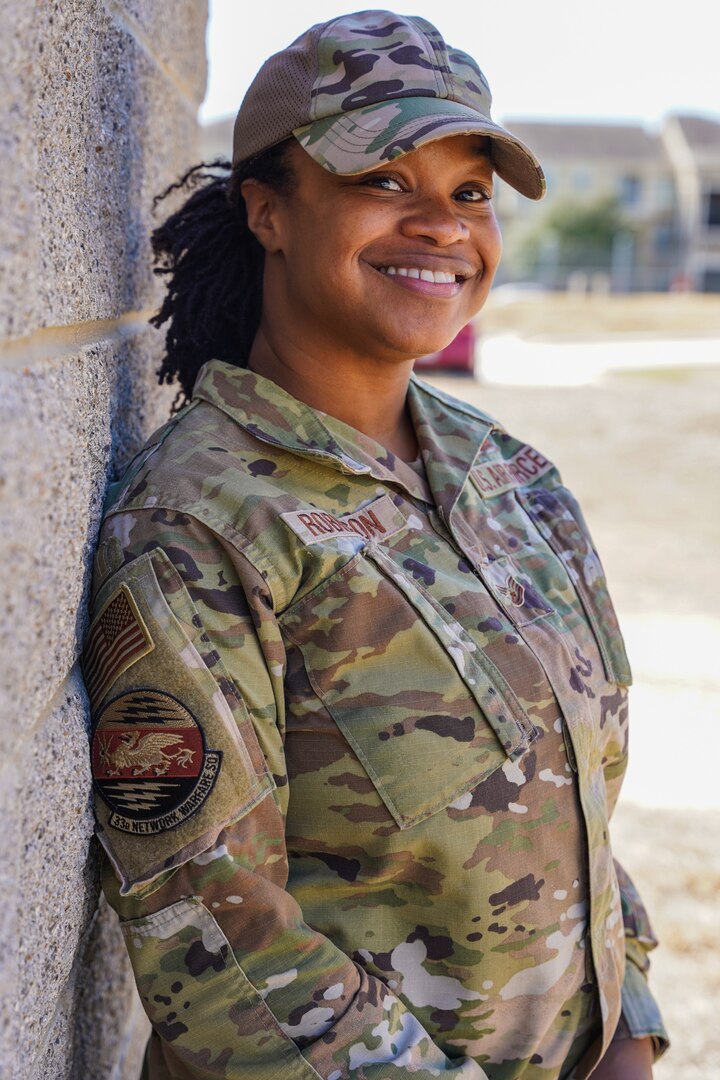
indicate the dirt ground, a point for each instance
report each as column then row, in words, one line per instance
column 642, row 453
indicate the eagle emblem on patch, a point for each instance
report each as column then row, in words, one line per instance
column 150, row 764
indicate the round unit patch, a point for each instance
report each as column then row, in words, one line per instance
column 149, row 761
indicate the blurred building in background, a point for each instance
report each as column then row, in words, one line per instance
column 692, row 144
column 627, row 209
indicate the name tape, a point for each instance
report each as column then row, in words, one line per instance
column 378, row 521
column 499, row 476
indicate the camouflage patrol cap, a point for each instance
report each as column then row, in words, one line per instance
column 365, row 88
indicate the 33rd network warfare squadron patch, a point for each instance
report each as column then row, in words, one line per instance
column 150, row 763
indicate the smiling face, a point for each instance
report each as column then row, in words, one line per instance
column 383, row 266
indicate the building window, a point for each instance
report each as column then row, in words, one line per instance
column 663, row 239
column 713, row 209
column 581, row 179
column 664, row 191
column 711, row 281
column 629, row 190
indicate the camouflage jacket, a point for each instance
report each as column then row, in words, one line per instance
column 358, row 728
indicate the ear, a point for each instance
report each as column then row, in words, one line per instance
column 262, row 205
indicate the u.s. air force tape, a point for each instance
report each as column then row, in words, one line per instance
column 501, row 475
column 150, row 763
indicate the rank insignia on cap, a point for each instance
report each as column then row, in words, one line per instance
column 118, row 637
column 149, row 762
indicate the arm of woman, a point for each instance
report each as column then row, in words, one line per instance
column 235, row 983
column 626, row 1059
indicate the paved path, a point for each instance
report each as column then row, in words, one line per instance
column 509, row 360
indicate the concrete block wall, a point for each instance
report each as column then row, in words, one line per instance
column 99, row 102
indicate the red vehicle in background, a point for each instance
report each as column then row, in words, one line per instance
column 458, row 356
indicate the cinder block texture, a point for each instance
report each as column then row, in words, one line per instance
column 19, row 241
column 9, row 862
column 125, row 132
column 99, row 102
column 108, row 1002
column 99, row 1029
column 99, row 125
column 173, row 31
column 58, row 876
column 82, row 416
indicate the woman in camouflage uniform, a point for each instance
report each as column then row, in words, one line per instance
column 358, row 688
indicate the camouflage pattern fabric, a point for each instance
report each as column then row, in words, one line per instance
column 358, row 730
column 367, row 58
column 388, row 84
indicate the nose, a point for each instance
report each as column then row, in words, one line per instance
column 435, row 218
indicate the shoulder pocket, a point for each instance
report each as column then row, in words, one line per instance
column 174, row 754
column 558, row 518
column 426, row 712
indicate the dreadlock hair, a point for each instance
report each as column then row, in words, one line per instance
column 214, row 266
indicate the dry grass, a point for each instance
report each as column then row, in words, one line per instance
column 564, row 315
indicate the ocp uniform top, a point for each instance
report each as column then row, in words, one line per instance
column 356, row 740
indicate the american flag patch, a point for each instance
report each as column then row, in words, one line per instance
column 117, row 638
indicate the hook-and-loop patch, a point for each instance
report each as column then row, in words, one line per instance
column 118, row 637
column 150, row 763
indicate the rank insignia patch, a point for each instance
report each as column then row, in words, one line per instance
column 150, row 763
column 117, row 638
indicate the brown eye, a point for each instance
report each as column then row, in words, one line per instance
column 386, row 183
column 474, row 195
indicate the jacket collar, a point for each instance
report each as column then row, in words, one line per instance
column 450, row 433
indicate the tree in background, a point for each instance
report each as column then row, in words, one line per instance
column 575, row 236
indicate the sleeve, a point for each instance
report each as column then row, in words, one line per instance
column 640, row 1016
column 184, row 666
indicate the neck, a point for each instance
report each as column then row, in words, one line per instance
column 369, row 396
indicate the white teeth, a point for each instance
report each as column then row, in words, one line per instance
column 438, row 277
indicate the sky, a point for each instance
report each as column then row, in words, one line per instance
column 627, row 60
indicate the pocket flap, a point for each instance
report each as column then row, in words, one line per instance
column 404, row 685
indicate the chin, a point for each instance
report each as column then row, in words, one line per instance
column 433, row 344
column 411, row 345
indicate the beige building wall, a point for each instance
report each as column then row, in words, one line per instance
column 98, row 103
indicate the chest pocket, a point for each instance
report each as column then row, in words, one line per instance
column 426, row 712
column 560, row 522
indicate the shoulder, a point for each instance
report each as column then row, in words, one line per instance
column 505, row 461
column 200, row 463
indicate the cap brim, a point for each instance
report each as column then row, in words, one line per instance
column 360, row 140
